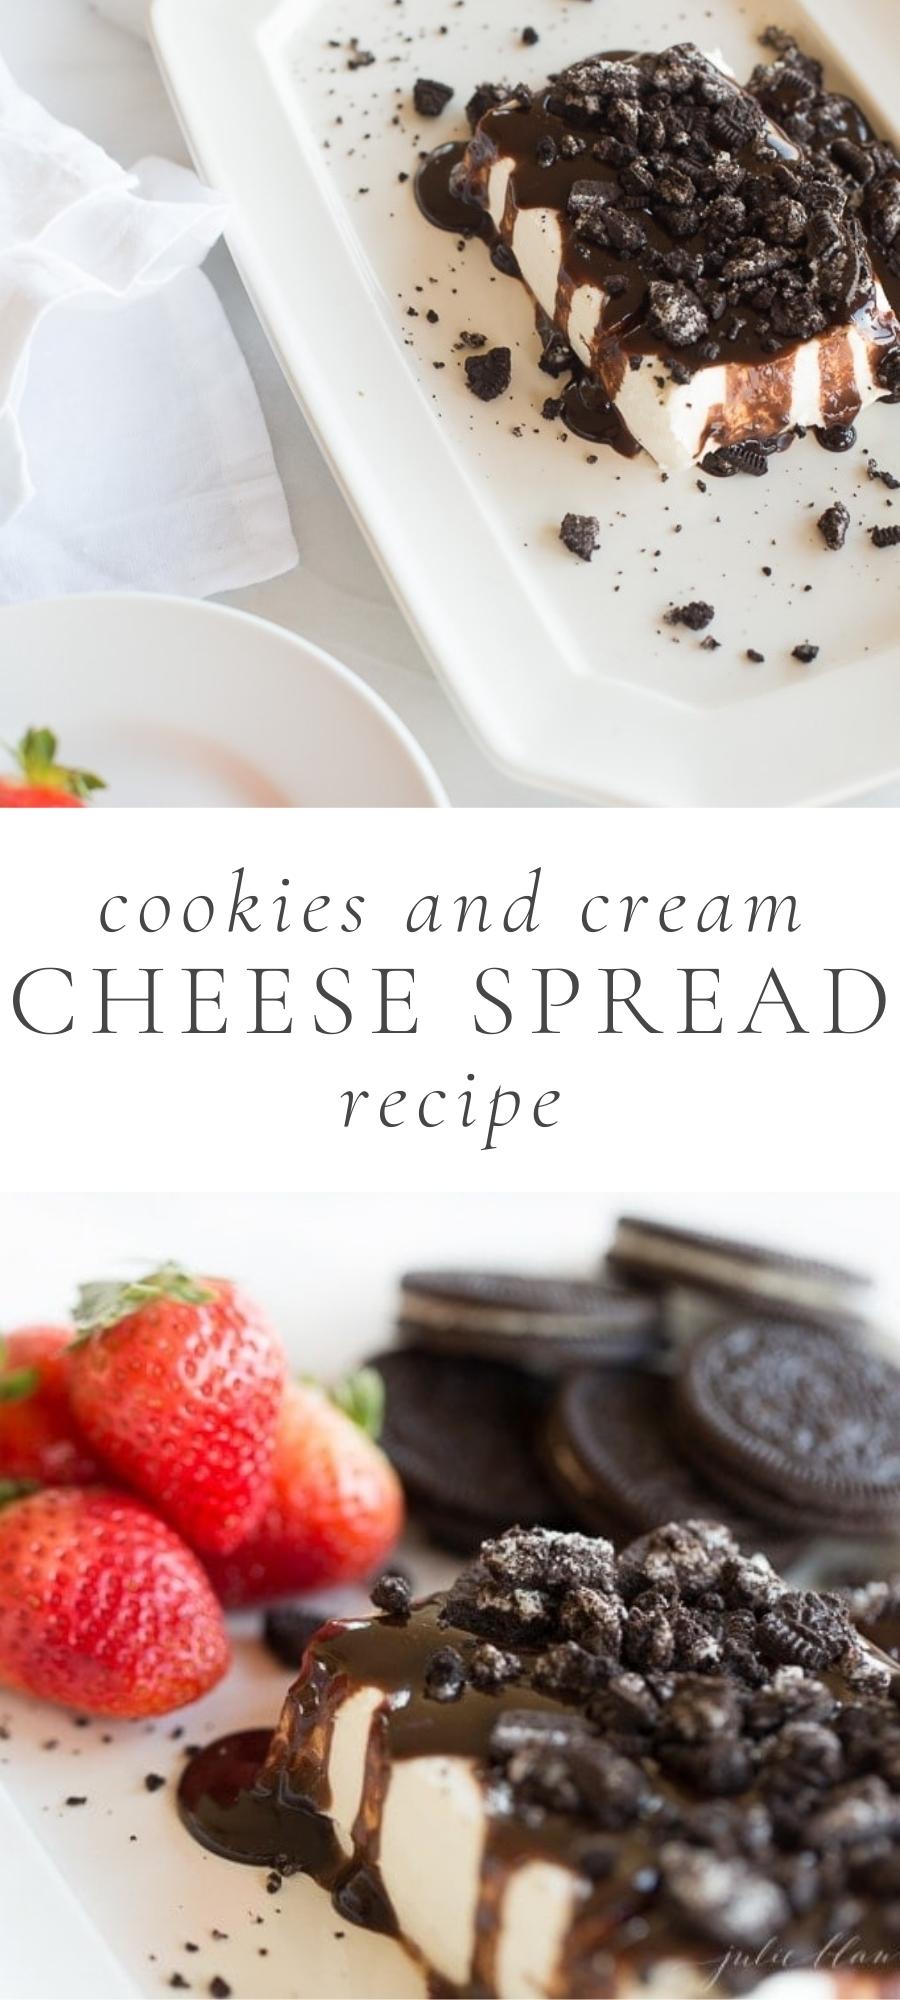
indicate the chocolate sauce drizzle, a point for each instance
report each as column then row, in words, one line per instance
column 452, row 191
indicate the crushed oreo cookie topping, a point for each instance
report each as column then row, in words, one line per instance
column 713, row 1754
column 792, row 91
column 392, row 1594
column 723, row 229
column 886, row 538
column 445, row 1675
column 740, row 1726
column 805, row 653
column 707, row 226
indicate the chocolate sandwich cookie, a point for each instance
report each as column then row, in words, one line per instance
column 802, row 1421
column 540, row 1324
column 696, row 1274
column 609, row 1448
column 463, row 1437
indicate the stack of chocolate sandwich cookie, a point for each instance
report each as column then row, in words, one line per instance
column 469, row 1388
column 699, row 1280
column 610, row 1450
column 555, row 1402
column 798, row 1421
column 540, row 1324
column 789, row 1431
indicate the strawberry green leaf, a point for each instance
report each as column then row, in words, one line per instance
column 18, row 1384
column 36, row 758
column 103, row 1304
column 361, row 1397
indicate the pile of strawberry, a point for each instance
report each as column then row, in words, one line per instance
column 157, row 1464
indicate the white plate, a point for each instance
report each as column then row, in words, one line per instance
column 175, row 702
column 565, row 671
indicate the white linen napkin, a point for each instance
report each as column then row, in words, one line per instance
column 133, row 450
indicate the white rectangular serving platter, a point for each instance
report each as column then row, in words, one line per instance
column 566, row 671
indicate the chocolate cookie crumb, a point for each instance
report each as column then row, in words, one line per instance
column 695, row 616
column 833, row 525
column 732, row 458
column 530, row 36
column 219, row 1988
column 805, row 653
column 392, row 1594
column 888, row 479
column 709, row 644
column 430, row 98
column 486, row 97
column 491, row 1667
column 76, row 1800
column 445, row 1675
column 756, row 657
column 886, row 538
column 154, row 1782
column 557, row 357
column 581, row 535
column 489, row 375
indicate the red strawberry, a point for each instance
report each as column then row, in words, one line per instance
column 102, row 1608
column 336, row 1504
column 43, row 782
column 177, row 1384
column 39, row 1438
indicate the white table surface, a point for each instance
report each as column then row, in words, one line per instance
column 102, row 79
